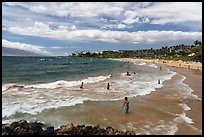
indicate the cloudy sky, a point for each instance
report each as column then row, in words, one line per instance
column 63, row 28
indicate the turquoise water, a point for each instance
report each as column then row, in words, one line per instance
column 32, row 70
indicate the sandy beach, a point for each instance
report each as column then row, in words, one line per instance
column 193, row 76
column 180, row 64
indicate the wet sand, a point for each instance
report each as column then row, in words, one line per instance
column 194, row 80
column 157, row 112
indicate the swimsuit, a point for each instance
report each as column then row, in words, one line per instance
column 126, row 109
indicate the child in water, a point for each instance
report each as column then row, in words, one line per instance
column 126, row 104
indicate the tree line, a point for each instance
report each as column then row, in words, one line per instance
column 178, row 52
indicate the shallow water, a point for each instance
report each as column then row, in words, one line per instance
column 154, row 108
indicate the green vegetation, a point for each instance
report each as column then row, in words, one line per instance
column 178, row 52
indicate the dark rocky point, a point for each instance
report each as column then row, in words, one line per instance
column 22, row 127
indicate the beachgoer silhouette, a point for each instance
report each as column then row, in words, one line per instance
column 128, row 74
column 108, row 86
column 126, row 104
column 82, row 85
column 159, row 81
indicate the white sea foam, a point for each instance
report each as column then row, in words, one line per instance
column 62, row 83
column 183, row 118
column 152, row 65
column 7, row 86
column 142, row 63
column 140, row 84
column 38, row 97
column 172, row 130
column 185, row 107
column 150, row 128
column 35, row 104
column 45, row 59
column 186, row 89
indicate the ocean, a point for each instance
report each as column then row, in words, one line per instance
column 47, row 89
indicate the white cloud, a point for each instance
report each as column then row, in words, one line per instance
column 73, row 27
column 70, row 47
column 121, row 26
column 131, row 20
column 67, row 28
column 152, row 36
column 88, row 9
column 25, row 47
column 56, row 47
column 162, row 13
column 103, row 13
column 15, row 16
column 118, row 26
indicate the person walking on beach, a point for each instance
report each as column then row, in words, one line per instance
column 126, row 104
column 108, row 86
column 82, row 85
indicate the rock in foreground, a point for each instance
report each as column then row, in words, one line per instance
column 22, row 127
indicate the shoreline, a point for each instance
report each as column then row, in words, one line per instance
column 145, row 110
column 193, row 79
column 171, row 63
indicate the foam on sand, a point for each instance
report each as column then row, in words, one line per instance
column 183, row 118
column 186, row 90
column 185, row 107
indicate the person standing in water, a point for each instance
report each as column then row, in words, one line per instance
column 160, row 68
column 82, row 85
column 108, row 86
column 128, row 74
column 126, row 104
column 159, row 81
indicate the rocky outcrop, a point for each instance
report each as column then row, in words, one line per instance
column 22, row 127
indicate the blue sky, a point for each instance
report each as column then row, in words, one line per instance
column 62, row 28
